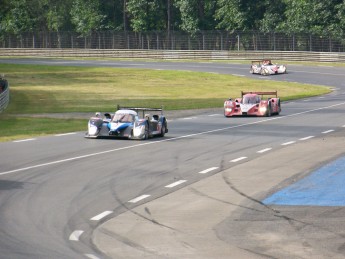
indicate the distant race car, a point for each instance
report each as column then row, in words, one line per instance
column 265, row 68
column 253, row 104
column 128, row 122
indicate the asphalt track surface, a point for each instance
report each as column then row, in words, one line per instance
column 199, row 192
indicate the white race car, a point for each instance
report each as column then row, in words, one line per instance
column 265, row 68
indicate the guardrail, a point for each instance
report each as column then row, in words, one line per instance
column 177, row 54
column 4, row 94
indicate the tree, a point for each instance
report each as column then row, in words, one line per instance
column 147, row 15
column 86, row 16
column 17, row 19
column 240, row 14
column 196, row 14
column 309, row 16
column 273, row 16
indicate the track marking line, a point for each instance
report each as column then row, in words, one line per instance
column 91, row 256
column 288, row 143
column 264, row 150
column 175, row 183
column 327, row 131
column 166, row 140
column 24, row 140
column 101, row 215
column 208, row 170
column 238, row 159
column 65, row 134
column 135, row 200
column 189, row 118
column 309, row 137
column 75, row 235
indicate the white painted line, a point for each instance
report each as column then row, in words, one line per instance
column 238, row 159
column 65, row 134
column 208, row 170
column 102, row 215
column 309, row 137
column 24, row 140
column 237, row 75
column 75, row 235
column 211, row 115
column 327, row 131
column 175, row 184
column 288, row 143
column 91, row 256
column 264, row 150
column 189, row 118
column 343, row 126
column 135, row 200
column 168, row 139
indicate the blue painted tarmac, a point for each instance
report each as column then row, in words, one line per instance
column 324, row 187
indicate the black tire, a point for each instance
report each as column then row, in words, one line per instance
column 269, row 111
column 130, row 136
column 264, row 72
column 279, row 108
column 146, row 135
column 164, row 126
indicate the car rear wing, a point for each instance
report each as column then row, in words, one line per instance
column 275, row 93
column 140, row 109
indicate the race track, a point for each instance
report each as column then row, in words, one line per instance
column 57, row 191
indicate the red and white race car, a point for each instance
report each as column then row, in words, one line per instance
column 253, row 104
column 265, row 68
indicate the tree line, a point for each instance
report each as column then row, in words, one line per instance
column 86, row 16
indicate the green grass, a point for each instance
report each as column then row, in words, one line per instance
column 13, row 127
column 58, row 89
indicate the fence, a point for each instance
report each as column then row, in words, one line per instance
column 4, row 94
column 176, row 55
column 176, row 40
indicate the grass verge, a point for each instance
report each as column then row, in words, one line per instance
column 62, row 89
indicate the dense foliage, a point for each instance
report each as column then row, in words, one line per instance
column 86, row 16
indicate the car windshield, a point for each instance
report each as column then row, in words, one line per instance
column 251, row 99
column 123, row 117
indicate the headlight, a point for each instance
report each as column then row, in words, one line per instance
column 92, row 129
column 262, row 109
column 228, row 109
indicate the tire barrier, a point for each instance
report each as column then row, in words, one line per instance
column 4, row 94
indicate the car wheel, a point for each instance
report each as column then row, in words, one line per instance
column 146, row 134
column 163, row 130
column 130, row 135
column 269, row 112
column 251, row 71
column 279, row 108
column 264, row 72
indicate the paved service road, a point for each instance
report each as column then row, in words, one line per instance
column 197, row 193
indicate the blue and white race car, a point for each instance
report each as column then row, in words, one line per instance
column 128, row 122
